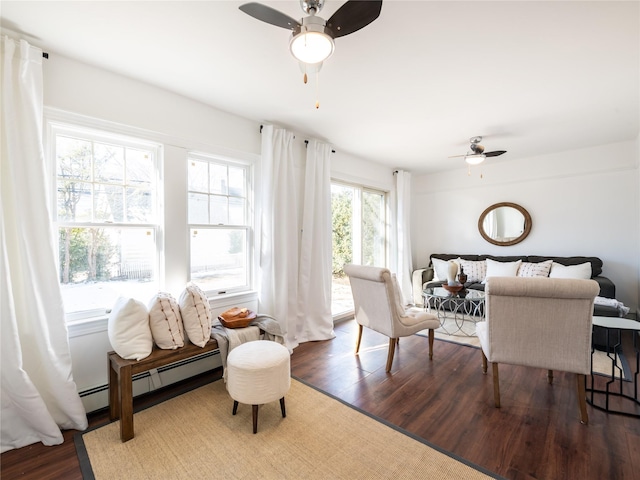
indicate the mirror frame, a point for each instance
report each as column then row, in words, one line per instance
column 522, row 210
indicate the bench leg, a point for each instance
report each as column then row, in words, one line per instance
column 126, row 404
column 114, row 396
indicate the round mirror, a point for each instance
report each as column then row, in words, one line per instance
column 504, row 224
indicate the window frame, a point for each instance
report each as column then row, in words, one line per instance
column 102, row 134
column 248, row 227
column 358, row 237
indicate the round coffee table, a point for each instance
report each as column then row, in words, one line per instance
column 466, row 306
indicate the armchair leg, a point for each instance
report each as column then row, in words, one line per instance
column 582, row 399
column 484, row 362
column 496, row 385
column 550, row 376
column 392, row 348
column 359, row 338
column 431, row 337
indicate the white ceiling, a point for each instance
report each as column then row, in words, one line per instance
column 408, row 90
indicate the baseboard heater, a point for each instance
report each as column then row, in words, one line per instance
column 97, row 398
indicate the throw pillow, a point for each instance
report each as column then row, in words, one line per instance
column 166, row 322
column 196, row 315
column 572, row 271
column 476, row 271
column 501, row 269
column 441, row 268
column 529, row 269
column 128, row 329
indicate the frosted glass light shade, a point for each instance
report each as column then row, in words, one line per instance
column 311, row 42
column 311, row 47
column 474, row 159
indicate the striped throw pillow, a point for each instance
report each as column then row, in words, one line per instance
column 541, row 269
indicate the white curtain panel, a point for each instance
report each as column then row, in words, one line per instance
column 279, row 231
column 39, row 396
column 404, row 261
column 314, row 282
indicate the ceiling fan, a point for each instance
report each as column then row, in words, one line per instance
column 477, row 155
column 312, row 39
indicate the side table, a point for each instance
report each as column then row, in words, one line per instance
column 615, row 386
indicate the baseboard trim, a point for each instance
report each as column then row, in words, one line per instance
column 97, row 398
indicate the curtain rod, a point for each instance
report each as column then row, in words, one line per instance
column 45, row 55
column 306, row 143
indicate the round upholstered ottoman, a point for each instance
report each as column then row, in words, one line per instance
column 258, row 372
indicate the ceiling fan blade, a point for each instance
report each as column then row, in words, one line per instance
column 269, row 15
column 354, row 15
column 495, row 153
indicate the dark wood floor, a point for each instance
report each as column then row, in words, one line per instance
column 535, row 435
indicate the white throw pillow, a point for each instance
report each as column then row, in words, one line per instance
column 196, row 315
column 541, row 269
column 501, row 269
column 475, row 271
column 166, row 322
column 128, row 329
column 572, row 271
column 441, row 268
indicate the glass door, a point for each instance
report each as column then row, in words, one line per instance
column 359, row 236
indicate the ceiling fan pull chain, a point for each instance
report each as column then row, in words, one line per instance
column 317, row 90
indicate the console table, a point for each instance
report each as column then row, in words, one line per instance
column 465, row 306
column 615, row 386
column 121, row 372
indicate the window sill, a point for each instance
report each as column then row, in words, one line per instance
column 88, row 326
column 233, row 299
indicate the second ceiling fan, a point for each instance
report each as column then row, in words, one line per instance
column 477, row 155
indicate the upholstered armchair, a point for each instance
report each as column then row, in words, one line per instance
column 379, row 306
column 539, row 322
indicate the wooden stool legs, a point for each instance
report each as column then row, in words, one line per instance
column 254, row 412
column 284, row 411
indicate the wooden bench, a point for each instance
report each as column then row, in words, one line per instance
column 121, row 372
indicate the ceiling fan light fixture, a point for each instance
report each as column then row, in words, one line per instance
column 310, row 43
column 475, row 159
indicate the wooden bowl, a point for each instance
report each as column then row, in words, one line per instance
column 237, row 321
column 452, row 288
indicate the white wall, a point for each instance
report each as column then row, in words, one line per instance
column 582, row 202
column 86, row 90
column 351, row 169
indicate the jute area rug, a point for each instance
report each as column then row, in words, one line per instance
column 194, row 435
column 464, row 333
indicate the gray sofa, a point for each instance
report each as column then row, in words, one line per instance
column 423, row 278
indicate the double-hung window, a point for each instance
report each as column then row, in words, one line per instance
column 106, row 217
column 219, row 224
